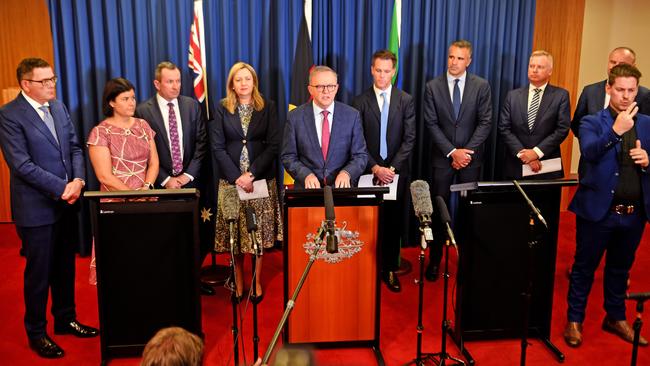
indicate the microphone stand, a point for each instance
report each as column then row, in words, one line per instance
column 233, row 297
column 535, row 216
column 318, row 241
column 256, row 299
column 638, row 323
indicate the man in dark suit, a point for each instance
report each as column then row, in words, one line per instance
column 388, row 116
column 534, row 121
column 458, row 115
column 594, row 99
column 47, row 175
column 323, row 140
column 612, row 204
column 180, row 137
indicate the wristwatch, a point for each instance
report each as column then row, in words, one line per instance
column 148, row 185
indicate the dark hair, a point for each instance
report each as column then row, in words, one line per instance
column 384, row 55
column 27, row 65
column 173, row 346
column 461, row 43
column 164, row 65
column 113, row 88
column 623, row 71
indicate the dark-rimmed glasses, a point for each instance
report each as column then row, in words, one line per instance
column 45, row 82
column 321, row 88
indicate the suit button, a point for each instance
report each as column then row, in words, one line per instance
column 616, row 174
column 243, row 142
column 612, row 191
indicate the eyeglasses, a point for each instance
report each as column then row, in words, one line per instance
column 45, row 82
column 322, row 88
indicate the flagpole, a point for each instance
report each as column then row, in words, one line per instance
column 203, row 61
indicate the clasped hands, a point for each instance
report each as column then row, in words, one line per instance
column 72, row 191
column 383, row 175
column 177, row 182
column 530, row 157
column 461, row 158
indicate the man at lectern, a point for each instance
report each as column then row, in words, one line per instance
column 46, row 164
column 323, row 140
column 534, row 121
column 612, row 204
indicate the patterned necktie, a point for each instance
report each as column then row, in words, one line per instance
column 383, row 149
column 325, row 135
column 456, row 99
column 534, row 107
column 177, row 159
column 49, row 121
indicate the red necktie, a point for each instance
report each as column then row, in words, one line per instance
column 325, row 135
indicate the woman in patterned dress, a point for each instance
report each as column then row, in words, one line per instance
column 245, row 140
column 121, row 148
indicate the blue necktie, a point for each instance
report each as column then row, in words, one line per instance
column 383, row 149
column 49, row 121
column 456, row 98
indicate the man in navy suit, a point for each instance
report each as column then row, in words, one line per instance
column 612, row 204
column 46, row 167
column 323, row 141
column 458, row 115
column 388, row 116
column 534, row 121
column 180, row 138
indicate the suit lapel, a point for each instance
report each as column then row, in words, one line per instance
column 187, row 133
column 522, row 99
column 36, row 120
column 393, row 108
column 547, row 99
column 468, row 94
column 443, row 89
column 255, row 122
column 159, row 122
column 600, row 100
column 310, row 127
column 371, row 98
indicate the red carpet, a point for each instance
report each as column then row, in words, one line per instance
column 398, row 318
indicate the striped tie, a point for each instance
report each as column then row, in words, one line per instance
column 534, row 107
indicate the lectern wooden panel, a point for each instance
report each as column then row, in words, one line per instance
column 147, row 266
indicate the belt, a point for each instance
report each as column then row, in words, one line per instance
column 624, row 209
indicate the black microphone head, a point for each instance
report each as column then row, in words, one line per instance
column 329, row 203
column 421, row 198
column 251, row 219
column 229, row 203
column 442, row 209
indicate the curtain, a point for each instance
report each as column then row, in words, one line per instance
column 97, row 40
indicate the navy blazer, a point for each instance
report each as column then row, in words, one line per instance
column 194, row 136
column 301, row 152
column 39, row 167
column 550, row 129
column 227, row 140
column 599, row 149
column 474, row 123
column 400, row 132
column 592, row 101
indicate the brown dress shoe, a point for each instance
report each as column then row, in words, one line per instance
column 573, row 334
column 622, row 329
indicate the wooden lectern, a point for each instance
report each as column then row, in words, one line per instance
column 492, row 230
column 147, row 256
column 338, row 305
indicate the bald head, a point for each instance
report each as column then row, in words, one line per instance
column 621, row 55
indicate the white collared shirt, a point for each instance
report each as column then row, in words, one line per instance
column 164, row 110
column 36, row 105
column 380, row 99
column 461, row 85
column 318, row 119
column 531, row 94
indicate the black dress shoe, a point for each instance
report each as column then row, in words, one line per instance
column 431, row 274
column 207, row 290
column 257, row 299
column 76, row 329
column 391, row 281
column 45, row 347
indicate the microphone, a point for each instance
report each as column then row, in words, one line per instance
column 532, row 207
column 251, row 227
column 639, row 296
column 229, row 206
column 422, row 206
column 445, row 218
column 332, row 245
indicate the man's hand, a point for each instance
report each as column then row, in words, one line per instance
column 535, row 165
column 624, row 121
column 312, row 182
column 245, row 182
column 461, row 157
column 527, row 155
column 456, row 165
column 342, row 180
column 384, row 175
column 173, row 183
column 72, row 191
column 639, row 155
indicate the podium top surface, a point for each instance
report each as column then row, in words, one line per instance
column 299, row 197
column 508, row 183
column 162, row 193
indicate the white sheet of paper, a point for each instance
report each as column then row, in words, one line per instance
column 550, row 165
column 260, row 190
column 366, row 181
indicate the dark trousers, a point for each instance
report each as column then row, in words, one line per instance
column 619, row 236
column 50, row 265
column 443, row 178
column 394, row 223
